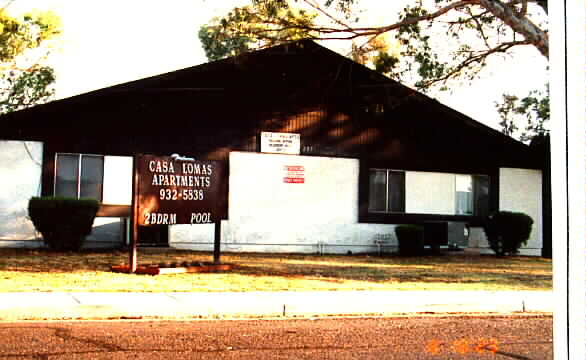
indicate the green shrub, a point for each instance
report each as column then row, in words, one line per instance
column 411, row 240
column 507, row 231
column 63, row 222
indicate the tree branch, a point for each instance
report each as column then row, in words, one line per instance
column 477, row 57
column 479, row 28
column 316, row 6
column 368, row 31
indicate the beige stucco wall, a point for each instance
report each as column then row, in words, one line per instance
column 520, row 190
column 20, row 169
column 329, row 194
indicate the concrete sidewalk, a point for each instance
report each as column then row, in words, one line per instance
column 55, row 306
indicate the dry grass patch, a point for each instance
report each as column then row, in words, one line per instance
column 41, row 270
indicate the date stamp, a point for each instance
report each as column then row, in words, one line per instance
column 462, row 346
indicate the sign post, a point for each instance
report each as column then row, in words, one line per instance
column 169, row 190
column 217, row 241
column 132, row 262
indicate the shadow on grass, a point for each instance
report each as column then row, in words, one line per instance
column 392, row 274
column 466, row 269
column 323, row 272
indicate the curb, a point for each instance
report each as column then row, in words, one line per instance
column 95, row 306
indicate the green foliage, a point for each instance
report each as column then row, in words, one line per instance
column 507, row 231
column 265, row 23
column 19, row 35
column 26, row 88
column 533, row 110
column 217, row 45
column 385, row 62
column 63, row 222
column 506, row 111
column 411, row 240
column 21, row 87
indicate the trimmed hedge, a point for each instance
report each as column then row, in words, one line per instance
column 411, row 240
column 63, row 222
column 507, row 231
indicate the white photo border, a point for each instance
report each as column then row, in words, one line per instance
column 568, row 137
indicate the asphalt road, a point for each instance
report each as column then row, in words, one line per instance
column 433, row 337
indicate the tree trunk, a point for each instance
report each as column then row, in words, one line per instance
column 519, row 24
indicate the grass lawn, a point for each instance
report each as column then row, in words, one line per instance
column 42, row 270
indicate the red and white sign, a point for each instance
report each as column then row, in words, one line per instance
column 294, row 174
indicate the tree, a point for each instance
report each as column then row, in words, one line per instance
column 506, row 111
column 24, row 81
column 532, row 110
column 471, row 32
column 257, row 26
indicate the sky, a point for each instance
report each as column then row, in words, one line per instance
column 114, row 41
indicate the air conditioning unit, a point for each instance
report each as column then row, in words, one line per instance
column 457, row 234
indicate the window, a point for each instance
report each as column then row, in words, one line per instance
column 387, row 191
column 464, row 195
column 434, row 193
column 472, row 195
column 79, row 176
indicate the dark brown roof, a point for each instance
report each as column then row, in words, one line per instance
column 341, row 108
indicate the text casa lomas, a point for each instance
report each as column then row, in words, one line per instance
column 194, row 175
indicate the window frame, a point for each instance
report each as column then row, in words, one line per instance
column 387, row 186
column 80, row 157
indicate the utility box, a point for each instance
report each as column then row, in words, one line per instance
column 458, row 234
column 435, row 233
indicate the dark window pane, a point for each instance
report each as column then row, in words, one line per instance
column 396, row 191
column 481, row 195
column 377, row 190
column 92, row 175
column 67, row 170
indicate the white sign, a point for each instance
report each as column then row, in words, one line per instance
column 280, row 143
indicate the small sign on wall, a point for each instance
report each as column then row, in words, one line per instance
column 294, row 174
column 280, row 143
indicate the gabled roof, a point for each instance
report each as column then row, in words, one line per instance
column 234, row 93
